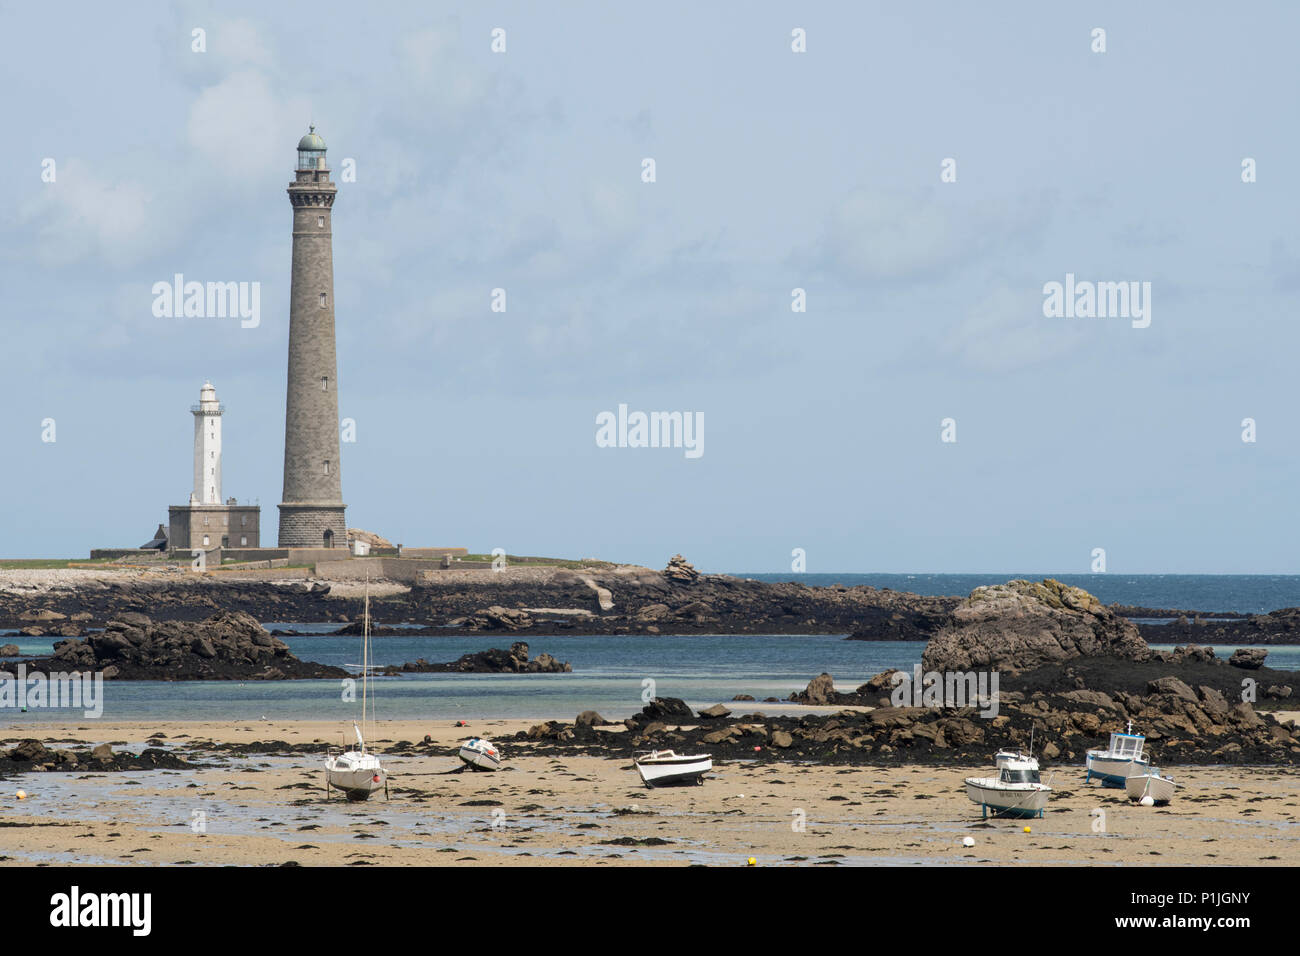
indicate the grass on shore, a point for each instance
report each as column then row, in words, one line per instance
column 42, row 564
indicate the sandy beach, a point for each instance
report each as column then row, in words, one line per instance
column 267, row 809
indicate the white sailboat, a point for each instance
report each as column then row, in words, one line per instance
column 356, row 772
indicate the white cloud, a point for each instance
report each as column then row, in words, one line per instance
column 238, row 128
column 85, row 215
column 1006, row 330
column 239, row 42
column 432, row 64
column 896, row 236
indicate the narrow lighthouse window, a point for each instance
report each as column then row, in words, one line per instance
column 322, row 300
column 324, row 383
column 320, row 221
column 327, row 466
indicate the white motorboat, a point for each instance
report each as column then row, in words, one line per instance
column 664, row 768
column 1016, row 791
column 1121, row 760
column 480, row 754
column 355, row 772
column 1154, row 784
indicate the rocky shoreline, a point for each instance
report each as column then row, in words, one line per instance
column 624, row 600
column 1182, row 725
column 226, row 646
column 1071, row 671
column 33, row 756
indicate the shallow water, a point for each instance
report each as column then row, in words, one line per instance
column 614, row 675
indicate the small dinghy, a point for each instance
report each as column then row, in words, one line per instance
column 666, row 768
column 480, row 754
column 1015, row 792
column 1153, row 784
column 1121, row 760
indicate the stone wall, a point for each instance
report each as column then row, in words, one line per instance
column 231, row 526
column 405, row 570
column 304, row 526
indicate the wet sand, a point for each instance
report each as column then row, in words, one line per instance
column 259, row 810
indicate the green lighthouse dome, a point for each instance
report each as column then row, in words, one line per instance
column 311, row 141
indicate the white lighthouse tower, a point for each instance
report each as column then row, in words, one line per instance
column 207, row 522
column 207, row 448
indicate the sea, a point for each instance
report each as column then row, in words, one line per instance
column 615, row 675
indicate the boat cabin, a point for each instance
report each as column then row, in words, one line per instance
column 1126, row 746
column 1018, row 775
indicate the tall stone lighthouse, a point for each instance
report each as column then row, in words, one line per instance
column 312, row 511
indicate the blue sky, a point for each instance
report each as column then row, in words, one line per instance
column 775, row 170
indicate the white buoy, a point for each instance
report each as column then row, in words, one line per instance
column 969, row 841
column 1147, row 801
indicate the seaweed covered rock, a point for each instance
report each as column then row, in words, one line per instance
column 492, row 661
column 1025, row 624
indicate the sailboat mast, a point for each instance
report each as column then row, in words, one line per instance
column 365, row 658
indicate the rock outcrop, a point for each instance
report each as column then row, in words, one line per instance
column 1025, row 624
column 33, row 756
column 680, row 570
column 1249, row 658
column 820, row 691
column 227, row 646
column 498, row 618
column 369, row 538
column 1277, row 627
column 492, row 661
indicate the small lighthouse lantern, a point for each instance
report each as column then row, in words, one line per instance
column 311, row 151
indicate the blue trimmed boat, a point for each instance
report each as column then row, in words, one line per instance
column 1121, row 760
column 1015, row 792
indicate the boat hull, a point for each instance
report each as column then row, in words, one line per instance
column 357, row 779
column 1008, row 800
column 480, row 758
column 1114, row 771
column 676, row 772
column 1159, row 789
